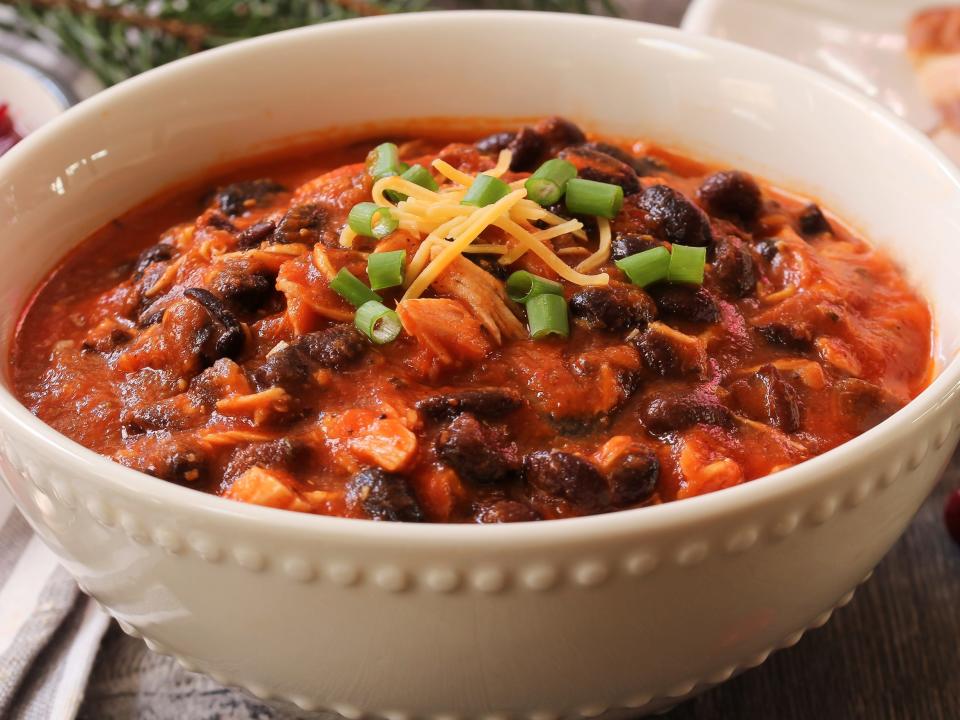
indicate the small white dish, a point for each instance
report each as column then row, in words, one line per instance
column 861, row 43
column 33, row 97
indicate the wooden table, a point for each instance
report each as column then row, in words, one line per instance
column 892, row 653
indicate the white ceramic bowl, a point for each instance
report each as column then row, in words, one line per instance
column 635, row 609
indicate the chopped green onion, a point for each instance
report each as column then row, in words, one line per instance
column 521, row 286
column 647, row 267
column 348, row 286
column 547, row 315
column 589, row 197
column 383, row 161
column 547, row 184
column 686, row 264
column 377, row 322
column 385, row 269
column 418, row 175
column 485, row 190
column 370, row 220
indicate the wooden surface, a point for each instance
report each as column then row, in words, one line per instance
column 892, row 653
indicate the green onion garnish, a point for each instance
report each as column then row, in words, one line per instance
column 589, row 197
column 349, row 287
column 377, row 322
column 370, row 220
column 385, row 269
column 547, row 184
column 686, row 264
column 485, row 190
column 547, row 315
column 647, row 267
column 418, row 175
column 383, row 161
column 522, row 285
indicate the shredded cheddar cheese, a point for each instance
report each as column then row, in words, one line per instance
column 441, row 222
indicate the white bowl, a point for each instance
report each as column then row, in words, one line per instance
column 635, row 609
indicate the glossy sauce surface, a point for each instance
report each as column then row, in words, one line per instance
column 801, row 337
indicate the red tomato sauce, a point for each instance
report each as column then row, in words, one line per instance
column 197, row 338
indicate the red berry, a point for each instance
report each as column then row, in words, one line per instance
column 6, row 122
column 8, row 133
column 951, row 515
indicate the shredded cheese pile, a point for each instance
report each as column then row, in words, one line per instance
column 440, row 219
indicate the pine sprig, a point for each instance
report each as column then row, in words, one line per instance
column 120, row 38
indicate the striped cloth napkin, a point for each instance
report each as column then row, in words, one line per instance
column 58, row 661
column 49, row 632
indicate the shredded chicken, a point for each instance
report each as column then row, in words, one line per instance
column 449, row 334
column 483, row 294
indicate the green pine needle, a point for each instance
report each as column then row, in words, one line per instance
column 120, row 38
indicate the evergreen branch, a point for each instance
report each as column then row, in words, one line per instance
column 120, row 38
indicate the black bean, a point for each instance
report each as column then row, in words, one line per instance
column 598, row 166
column 674, row 217
column 813, row 222
column 615, row 307
column 280, row 454
column 179, row 462
column 105, row 342
column 188, row 465
column 505, row 511
column 489, row 264
column 734, row 269
column 477, row 452
column 674, row 412
column 291, row 367
column 558, row 133
column 335, row 347
column 246, row 291
column 485, row 403
column 301, row 224
column 153, row 254
column 648, row 165
column 566, row 476
column 627, row 244
column 793, row 336
column 151, row 316
column 219, row 221
column 767, row 248
column 863, row 404
column 255, row 234
column 732, row 195
column 664, row 354
column 686, row 302
column 287, row 368
column 527, row 148
column 634, row 478
column 659, row 353
column 237, row 198
column 383, row 496
column 783, row 407
column 615, row 152
column 230, row 340
column 493, row 144
column 143, row 418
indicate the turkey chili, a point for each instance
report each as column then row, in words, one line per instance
column 536, row 325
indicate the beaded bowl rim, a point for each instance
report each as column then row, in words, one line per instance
column 934, row 400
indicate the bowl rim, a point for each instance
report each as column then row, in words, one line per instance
column 186, row 501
